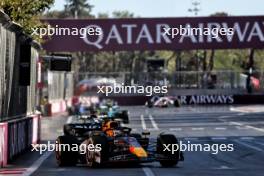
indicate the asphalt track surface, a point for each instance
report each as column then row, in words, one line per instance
column 198, row 124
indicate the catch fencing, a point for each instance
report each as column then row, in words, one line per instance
column 15, row 101
column 19, row 123
column 220, row 80
column 60, row 85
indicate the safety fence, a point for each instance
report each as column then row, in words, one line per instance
column 58, row 88
column 221, row 80
column 16, row 136
column 16, row 101
column 60, row 85
column 19, row 122
column 7, row 60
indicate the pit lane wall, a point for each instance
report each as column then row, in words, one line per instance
column 16, row 137
column 18, row 92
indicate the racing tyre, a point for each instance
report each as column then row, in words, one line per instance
column 96, row 158
column 149, row 105
column 124, row 116
column 170, row 159
column 66, row 158
column 177, row 103
column 67, row 129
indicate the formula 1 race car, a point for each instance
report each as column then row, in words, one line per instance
column 162, row 102
column 106, row 108
column 106, row 142
column 114, row 112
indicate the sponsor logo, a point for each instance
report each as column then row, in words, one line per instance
column 206, row 99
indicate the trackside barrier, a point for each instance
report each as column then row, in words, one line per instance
column 16, row 136
column 213, row 99
column 3, row 144
column 59, row 106
column 36, row 129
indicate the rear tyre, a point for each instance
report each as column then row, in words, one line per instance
column 177, row 103
column 66, row 157
column 97, row 158
column 170, row 159
column 125, row 117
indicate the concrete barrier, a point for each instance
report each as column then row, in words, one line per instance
column 16, row 136
column 3, row 144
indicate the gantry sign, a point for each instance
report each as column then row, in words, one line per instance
column 148, row 34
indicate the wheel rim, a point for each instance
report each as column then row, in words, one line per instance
column 89, row 155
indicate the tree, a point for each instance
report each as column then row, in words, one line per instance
column 122, row 14
column 211, row 59
column 78, row 8
column 102, row 15
column 26, row 12
column 56, row 14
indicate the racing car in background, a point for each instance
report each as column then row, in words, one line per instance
column 104, row 108
column 117, row 145
column 157, row 101
column 111, row 109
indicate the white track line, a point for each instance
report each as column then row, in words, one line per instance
column 190, row 139
column 143, row 123
column 247, row 126
column 255, row 128
column 224, row 117
column 259, row 143
column 220, row 128
column 242, row 128
column 218, row 138
column 247, row 138
column 36, row 164
column 197, row 129
column 175, row 129
column 248, row 145
column 238, row 110
column 153, row 122
column 236, row 123
column 148, row 171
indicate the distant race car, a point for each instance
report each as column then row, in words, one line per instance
column 112, row 110
column 106, row 108
column 117, row 144
column 157, row 101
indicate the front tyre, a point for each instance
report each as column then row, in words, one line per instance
column 169, row 159
column 96, row 158
column 125, row 117
column 66, row 157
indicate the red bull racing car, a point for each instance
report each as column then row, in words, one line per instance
column 103, row 142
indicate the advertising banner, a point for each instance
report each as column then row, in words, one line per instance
column 153, row 33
